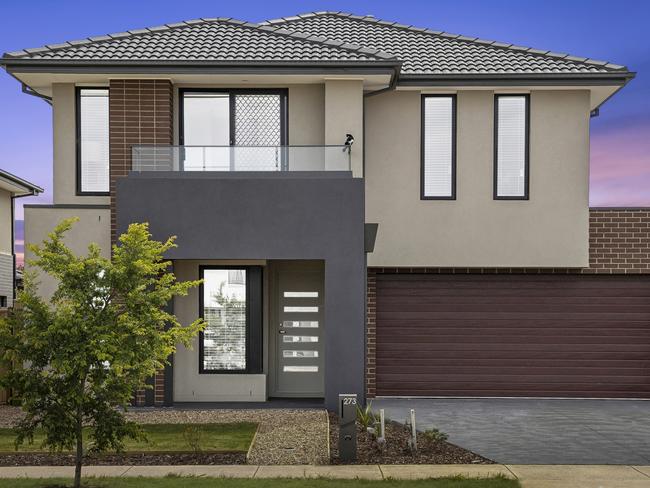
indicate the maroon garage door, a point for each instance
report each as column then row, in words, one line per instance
column 513, row 335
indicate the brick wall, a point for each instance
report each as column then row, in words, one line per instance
column 140, row 112
column 371, row 328
column 619, row 240
column 619, row 243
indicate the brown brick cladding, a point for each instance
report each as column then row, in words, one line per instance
column 140, row 112
column 619, row 243
column 619, row 240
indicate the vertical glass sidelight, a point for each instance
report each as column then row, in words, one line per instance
column 438, row 179
column 224, row 340
column 511, row 122
column 92, row 141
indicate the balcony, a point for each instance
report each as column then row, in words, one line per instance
column 146, row 158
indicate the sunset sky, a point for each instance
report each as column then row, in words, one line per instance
column 599, row 29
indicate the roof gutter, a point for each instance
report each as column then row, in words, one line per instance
column 391, row 85
column 582, row 79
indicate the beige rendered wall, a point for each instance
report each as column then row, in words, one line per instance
column 307, row 114
column 5, row 222
column 549, row 230
column 65, row 159
column 344, row 115
column 189, row 385
column 93, row 226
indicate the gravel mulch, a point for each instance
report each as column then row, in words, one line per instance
column 284, row 436
column 396, row 451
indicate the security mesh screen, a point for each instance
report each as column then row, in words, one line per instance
column 258, row 122
column 511, row 146
column 438, row 146
column 224, row 310
column 93, row 132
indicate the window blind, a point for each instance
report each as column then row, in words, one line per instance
column 93, row 143
column 511, row 150
column 438, row 147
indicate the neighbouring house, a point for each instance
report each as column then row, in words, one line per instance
column 11, row 187
column 374, row 208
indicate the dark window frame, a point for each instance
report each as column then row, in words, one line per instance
column 495, row 168
column 284, row 108
column 254, row 320
column 453, row 145
column 79, row 192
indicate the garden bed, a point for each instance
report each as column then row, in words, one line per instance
column 171, row 444
column 396, row 451
column 284, row 436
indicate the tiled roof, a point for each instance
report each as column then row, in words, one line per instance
column 218, row 39
column 428, row 52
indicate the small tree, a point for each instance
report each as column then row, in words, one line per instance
column 103, row 333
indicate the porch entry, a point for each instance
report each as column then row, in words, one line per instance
column 296, row 329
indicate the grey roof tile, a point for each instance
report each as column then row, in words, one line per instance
column 319, row 36
column 425, row 51
column 207, row 40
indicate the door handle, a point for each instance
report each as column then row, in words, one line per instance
column 282, row 332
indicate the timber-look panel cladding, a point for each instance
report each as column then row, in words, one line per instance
column 619, row 244
column 140, row 112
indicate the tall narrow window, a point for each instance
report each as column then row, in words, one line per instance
column 438, row 179
column 92, row 141
column 231, row 306
column 511, row 121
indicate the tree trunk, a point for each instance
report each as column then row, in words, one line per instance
column 80, row 450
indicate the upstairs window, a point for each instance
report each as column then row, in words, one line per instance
column 438, row 178
column 511, row 122
column 92, row 141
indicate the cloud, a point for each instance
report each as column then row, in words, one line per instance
column 620, row 167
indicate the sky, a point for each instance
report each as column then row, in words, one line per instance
column 614, row 31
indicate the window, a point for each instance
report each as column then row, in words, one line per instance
column 252, row 120
column 3, row 301
column 92, row 141
column 230, row 304
column 511, row 123
column 438, row 178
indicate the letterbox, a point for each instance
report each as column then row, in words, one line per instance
column 347, row 427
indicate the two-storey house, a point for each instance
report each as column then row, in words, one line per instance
column 374, row 208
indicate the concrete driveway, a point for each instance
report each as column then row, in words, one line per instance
column 529, row 431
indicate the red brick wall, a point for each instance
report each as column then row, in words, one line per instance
column 140, row 112
column 619, row 243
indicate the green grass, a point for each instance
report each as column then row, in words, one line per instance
column 198, row 482
column 164, row 438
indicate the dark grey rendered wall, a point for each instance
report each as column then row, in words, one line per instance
column 269, row 216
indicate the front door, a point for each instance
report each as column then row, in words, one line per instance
column 297, row 330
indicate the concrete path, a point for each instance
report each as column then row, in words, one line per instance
column 530, row 476
column 531, row 431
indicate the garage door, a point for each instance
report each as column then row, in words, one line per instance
column 513, row 335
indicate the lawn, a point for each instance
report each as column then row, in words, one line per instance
column 197, row 482
column 166, row 438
